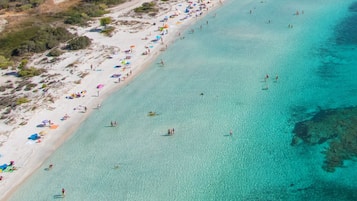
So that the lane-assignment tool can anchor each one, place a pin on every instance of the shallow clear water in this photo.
(226, 61)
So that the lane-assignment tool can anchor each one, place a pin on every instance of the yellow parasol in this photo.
(44, 132)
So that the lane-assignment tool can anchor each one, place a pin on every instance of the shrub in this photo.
(4, 62)
(78, 43)
(25, 7)
(43, 39)
(75, 18)
(105, 21)
(30, 72)
(109, 2)
(30, 86)
(108, 31)
(22, 100)
(146, 8)
(79, 15)
(55, 53)
(23, 64)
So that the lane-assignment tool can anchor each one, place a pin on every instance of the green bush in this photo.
(105, 21)
(25, 7)
(147, 8)
(76, 19)
(20, 5)
(41, 40)
(55, 53)
(30, 86)
(108, 31)
(107, 2)
(4, 62)
(30, 72)
(78, 43)
(22, 100)
(79, 15)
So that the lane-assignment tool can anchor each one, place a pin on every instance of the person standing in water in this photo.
(63, 192)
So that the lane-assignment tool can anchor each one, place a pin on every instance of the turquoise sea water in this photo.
(212, 83)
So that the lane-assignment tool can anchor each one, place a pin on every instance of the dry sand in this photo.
(131, 32)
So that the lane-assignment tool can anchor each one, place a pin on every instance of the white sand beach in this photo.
(132, 47)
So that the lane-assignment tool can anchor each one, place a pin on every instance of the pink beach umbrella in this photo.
(99, 86)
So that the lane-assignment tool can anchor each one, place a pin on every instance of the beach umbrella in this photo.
(99, 86)
(45, 121)
(44, 132)
(158, 37)
(53, 126)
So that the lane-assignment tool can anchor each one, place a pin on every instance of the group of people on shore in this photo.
(171, 131)
(113, 123)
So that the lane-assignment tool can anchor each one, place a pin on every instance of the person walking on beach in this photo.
(63, 193)
(162, 63)
(231, 133)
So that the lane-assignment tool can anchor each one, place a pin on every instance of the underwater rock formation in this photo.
(337, 127)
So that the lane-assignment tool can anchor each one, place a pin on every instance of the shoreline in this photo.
(29, 157)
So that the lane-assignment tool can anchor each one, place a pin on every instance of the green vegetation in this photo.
(105, 21)
(30, 86)
(148, 8)
(55, 53)
(80, 15)
(108, 31)
(30, 72)
(33, 40)
(4, 62)
(18, 5)
(45, 38)
(22, 100)
(78, 43)
(34, 34)
(107, 2)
